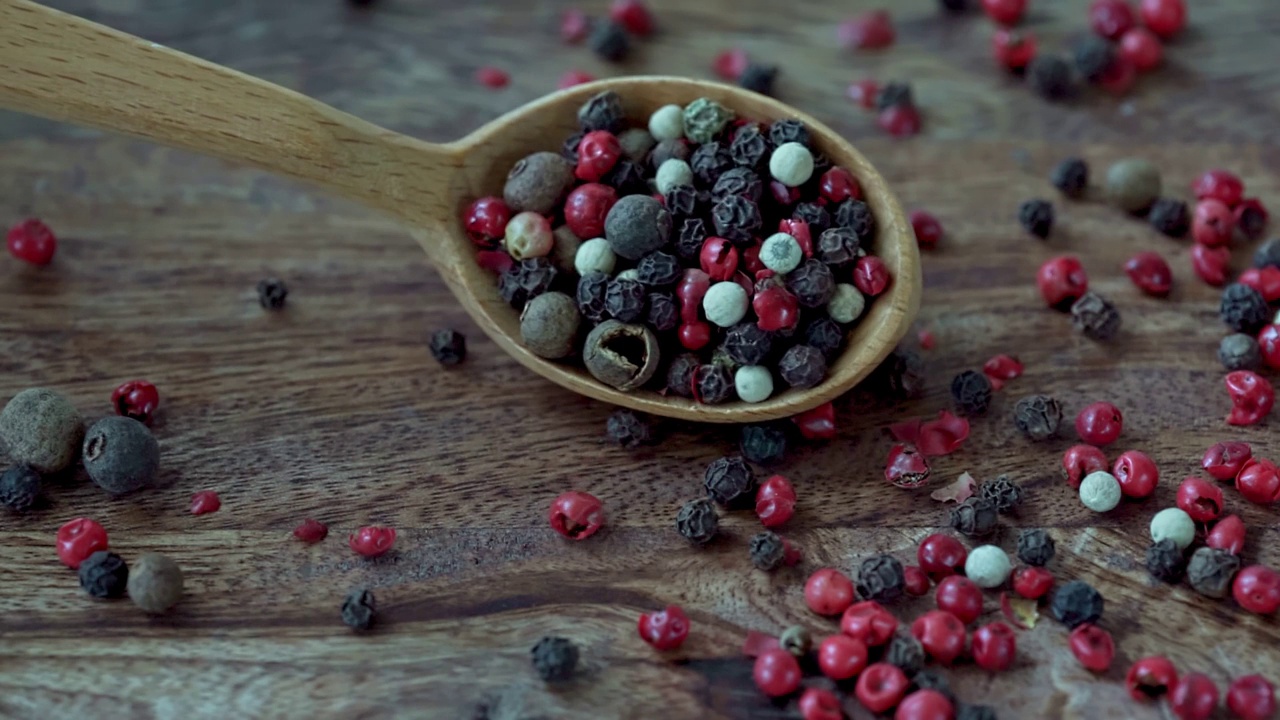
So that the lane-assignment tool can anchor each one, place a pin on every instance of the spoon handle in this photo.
(65, 68)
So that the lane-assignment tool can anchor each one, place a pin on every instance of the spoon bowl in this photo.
(65, 68)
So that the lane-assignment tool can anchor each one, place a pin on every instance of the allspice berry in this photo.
(121, 455)
(549, 325)
(537, 183)
(636, 226)
(621, 356)
(42, 429)
(155, 583)
(1133, 185)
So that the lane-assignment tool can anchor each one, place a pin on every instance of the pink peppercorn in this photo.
(1099, 424)
(137, 399)
(492, 77)
(1111, 18)
(784, 194)
(818, 423)
(1221, 185)
(1269, 345)
(1212, 223)
(899, 120)
(372, 541)
(1142, 48)
(1165, 17)
(32, 241)
(1227, 534)
(1150, 273)
(78, 539)
(574, 77)
(205, 502)
(915, 581)
(1210, 264)
(1259, 482)
(1200, 499)
(1252, 698)
(1005, 12)
(1119, 76)
(730, 64)
(870, 31)
(694, 335)
(927, 229)
(926, 339)
(486, 220)
(1252, 397)
(1195, 697)
(799, 230)
(1224, 460)
(633, 15)
(1265, 280)
(719, 258)
(776, 309)
(576, 515)
(1080, 460)
(838, 184)
(1012, 49)
(311, 531)
(574, 26)
(870, 275)
(1137, 474)
(495, 261)
(598, 152)
(864, 92)
(587, 207)
(1002, 367)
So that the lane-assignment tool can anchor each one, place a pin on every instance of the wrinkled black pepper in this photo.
(1036, 547)
(971, 392)
(603, 111)
(1038, 416)
(590, 295)
(767, 551)
(839, 247)
(1166, 562)
(19, 488)
(975, 517)
(1050, 77)
(609, 41)
(709, 162)
(816, 216)
(272, 293)
(681, 373)
(975, 712)
(894, 94)
(880, 578)
(554, 658)
(857, 215)
(1251, 220)
(901, 375)
(729, 480)
(1170, 216)
(1095, 317)
(697, 521)
(659, 269)
(1076, 603)
(737, 219)
(569, 148)
(627, 177)
(693, 233)
(747, 344)
(628, 429)
(749, 146)
(1036, 217)
(933, 680)
(802, 366)
(664, 313)
(826, 335)
(1093, 55)
(738, 181)
(1210, 571)
(1071, 177)
(1267, 254)
(785, 131)
(1243, 309)
(905, 653)
(1238, 351)
(624, 299)
(714, 383)
(759, 78)
(448, 346)
(104, 575)
(359, 609)
(812, 283)
(1006, 494)
(797, 640)
(525, 280)
(763, 444)
(681, 201)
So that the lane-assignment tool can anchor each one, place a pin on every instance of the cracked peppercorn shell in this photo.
(1243, 309)
(19, 488)
(1006, 494)
(609, 42)
(767, 551)
(627, 429)
(1071, 177)
(1095, 317)
(747, 344)
(1036, 217)
(1036, 547)
(121, 455)
(1239, 352)
(1038, 416)
(620, 355)
(537, 183)
(812, 283)
(736, 219)
(759, 78)
(1166, 562)
(857, 215)
(104, 575)
(729, 481)
(704, 118)
(975, 517)
(637, 225)
(1170, 217)
(41, 428)
(1210, 571)
(715, 384)
(155, 583)
(971, 392)
(1093, 56)
(1076, 603)
(554, 658)
(1050, 77)
(763, 444)
(272, 293)
(803, 366)
(549, 325)
(738, 181)
(880, 578)
(448, 347)
(749, 147)
(697, 521)
(965, 711)
(905, 653)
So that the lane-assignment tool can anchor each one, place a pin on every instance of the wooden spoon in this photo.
(61, 67)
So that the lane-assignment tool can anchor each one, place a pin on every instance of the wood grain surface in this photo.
(334, 408)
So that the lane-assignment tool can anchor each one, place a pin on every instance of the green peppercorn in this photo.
(1133, 185)
(704, 118)
(636, 226)
(1038, 416)
(549, 325)
(537, 183)
(697, 521)
(797, 640)
(121, 455)
(1211, 571)
(881, 578)
(104, 575)
(41, 428)
(729, 481)
(621, 356)
(628, 429)
(1002, 491)
(359, 609)
(554, 658)
(906, 653)
(19, 488)
(767, 551)
(975, 517)
(155, 583)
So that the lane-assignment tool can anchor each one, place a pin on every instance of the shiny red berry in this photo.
(994, 647)
(915, 582)
(1099, 424)
(1251, 218)
(598, 152)
(492, 77)
(1221, 185)
(1165, 17)
(784, 195)
(1259, 482)
(959, 596)
(586, 208)
(1252, 397)
(1195, 697)
(880, 687)
(486, 220)
(205, 502)
(32, 241)
(927, 229)
(868, 622)
(692, 288)
(1150, 677)
(1211, 264)
(1265, 280)
(633, 15)
(818, 423)
(941, 555)
(838, 184)
(311, 531)
(775, 501)
(1111, 18)
(1269, 345)
(906, 467)
(664, 630)
(495, 261)
(1142, 49)
(695, 335)
(925, 705)
(1003, 367)
(1200, 499)
(776, 673)
(372, 541)
(1005, 12)
(78, 539)
(799, 230)
(828, 592)
(870, 275)
(1252, 698)
(776, 308)
(1257, 589)
(819, 704)
(1093, 647)
(574, 26)
(776, 487)
(941, 634)
(1032, 582)
(137, 399)
(1137, 473)
(730, 64)
(1080, 460)
(1212, 223)
(1062, 281)
(1150, 273)
(576, 515)
(902, 120)
(1012, 49)
(870, 31)
(864, 93)
(574, 77)
(840, 657)
(719, 258)
(1227, 534)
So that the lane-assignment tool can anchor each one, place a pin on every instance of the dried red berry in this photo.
(840, 657)
(864, 93)
(1111, 18)
(78, 539)
(1200, 499)
(633, 15)
(1251, 218)
(1221, 185)
(1251, 397)
(1150, 273)
(941, 555)
(574, 77)
(926, 339)
(1142, 49)
(598, 152)
(136, 399)
(784, 195)
(906, 467)
(205, 502)
(1210, 264)
(776, 308)
(1195, 697)
(576, 515)
(1080, 460)
(1269, 345)
(818, 423)
(1212, 223)
(1012, 49)
(1265, 280)
(1165, 17)
(870, 275)
(959, 596)
(695, 335)
(1032, 582)
(880, 687)
(942, 436)
(1227, 534)
(730, 64)
(1257, 589)
(492, 77)
(901, 120)
(915, 581)
(776, 512)
(798, 229)
(665, 630)
(838, 184)
(1003, 367)
(1062, 281)
(486, 220)
(1252, 698)
(574, 26)
(869, 622)
(311, 531)
(828, 592)
(32, 241)
(776, 673)
(1093, 647)
(927, 229)
(994, 647)
(586, 208)
(719, 258)
(941, 634)
(1137, 473)
(819, 704)
(925, 705)
(1005, 12)
(1099, 424)
(1150, 677)
(1259, 482)
(495, 261)
(870, 31)
(372, 541)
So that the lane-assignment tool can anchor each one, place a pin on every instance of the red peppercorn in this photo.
(925, 705)
(915, 582)
(586, 208)
(880, 687)
(1227, 534)
(1259, 482)
(1164, 17)
(1062, 281)
(1142, 49)
(959, 596)
(941, 634)
(1212, 223)
(1252, 698)
(1003, 367)
(1032, 582)
(136, 399)
(775, 513)
(719, 258)
(1005, 12)
(927, 229)
(1269, 345)
(828, 592)
(906, 467)
(1111, 18)
(1210, 264)
(1257, 589)
(868, 622)
(574, 77)
(776, 308)
(1265, 280)
(838, 184)
(994, 647)
(1195, 697)
(492, 77)
(574, 26)
(632, 15)
(78, 539)
(840, 657)
(495, 261)
(1200, 499)
(205, 502)
(1080, 460)
(311, 531)
(598, 152)
(665, 630)
(1137, 473)
(1093, 647)
(818, 423)
(1251, 397)
(941, 555)
(799, 230)
(1221, 185)
(32, 241)
(870, 275)
(486, 220)
(870, 31)
(1150, 273)
(784, 195)
(926, 339)
(576, 515)
(902, 120)
(776, 673)
(1251, 218)
(819, 704)
(1012, 49)
(372, 541)
(1099, 424)
(1119, 76)
(864, 93)
(695, 335)
(1150, 677)
(777, 487)
(730, 64)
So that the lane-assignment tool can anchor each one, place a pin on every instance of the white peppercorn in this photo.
(725, 303)
(988, 566)
(636, 144)
(595, 255)
(781, 253)
(671, 173)
(549, 325)
(630, 275)
(1173, 524)
(621, 356)
(791, 164)
(847, 304)
(667, 123)
(1100, 491)
(528, 235)
(753, 383)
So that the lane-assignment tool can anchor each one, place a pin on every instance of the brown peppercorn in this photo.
(1006, 494)
(881, 578)
(621, 356)
(697, 521)
(636, 226)
(1133, 185)
(564, 249)
(549, 325)
(1166, 562)
(729, 481)
(767, 551)
(121, 455)
(41, 428)
(1038, 416)
(975, 517)
(796, 640)
(1095, 316)
(155, 583)
(1211, 571)
(538, 183)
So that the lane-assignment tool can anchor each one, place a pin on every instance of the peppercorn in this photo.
(975, 517)
(803, 366)
(627, 178)
(704, 118)
(954, 6)
(767, 551)
(538, 183)
(880, 578)
(933, 680)
(729, 481)
(121, 455)
(680, 374)
(358, 609)
(624, 299)
(894, 94)
(906, 653)
(1093, 55)
(789, 130)
(272, 293)
(1050, 77)
(692, 235)
(1267, 254)
(736, 219)
(749, 146)
(697, 521)
(709, 162)
(1076, 603)
(1243, 309)
(826, 335)
(1095, 316)
(1165, 561)
(104, 575)
(1170, 216)
(1038, 416)
(971, 392)
(590, 295)
(812, 283)
(628, 429)
(1036, 547)
(964, 711)
(1006, 494)
(1239, 352)
(901, 375)
(1036, 216)
(759, 78)
(155, 583)
(621, 355)
(41, 428)
(846, 304)
(526, 279)
(1211, 571)
(637, 225)
(609, 41)
(554, 658)
(715, 384)
(672, 174)
(569, 147)
(857, 215)
(839, 246)
(763, 444)
(19, 488)
(813, 215)
(1133, 185)
(664, 313)
(1071, 177)
(738, 181)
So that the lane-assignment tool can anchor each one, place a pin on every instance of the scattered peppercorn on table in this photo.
(467, 604)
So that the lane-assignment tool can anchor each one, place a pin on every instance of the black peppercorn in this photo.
(759, 78)
(954, 6)
(857, 215)
(1243, 309)
(664, 313)
(1006, 494)
(697, 521)
(1050, 77)
(839, 247)
(1036, 547)
(1251, 219)
(767, 551)
(1267, 254)
(826, 335)
(609, 41)
(975, 517)
(104, 575)
(525, 280)
(358, 610)
(19, 488)
(971, 392)
(933, 680)
(658, 269)
(1038, 416)
(894, 94)
(1071, 177)
(803, 366)
(1036, 217)
(590, 295)
(1170, 216)
(729, 480)
(763, 444)
(785, 131)
(448, 347)
(709, 161)
(738, 181)
(554, 658)
(680, 374)
(747, 344)
(737, 219)
(628, 429)
(272, 293)
(693, 233)
(1166, 561)
(1093, 56)
(905, 653)
(714, 384)
(603, 111)
(627, 177)
(1095, 316)
(901, 375)
(624, 299)
(569, 148)
(1239, 352)
(1211, 571)
(749, 146)
(814, 215)
(880, 578)
(1076, 603)
(812, 283)
(975, 712)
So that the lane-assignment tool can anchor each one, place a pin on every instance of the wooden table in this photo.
(334, 408)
